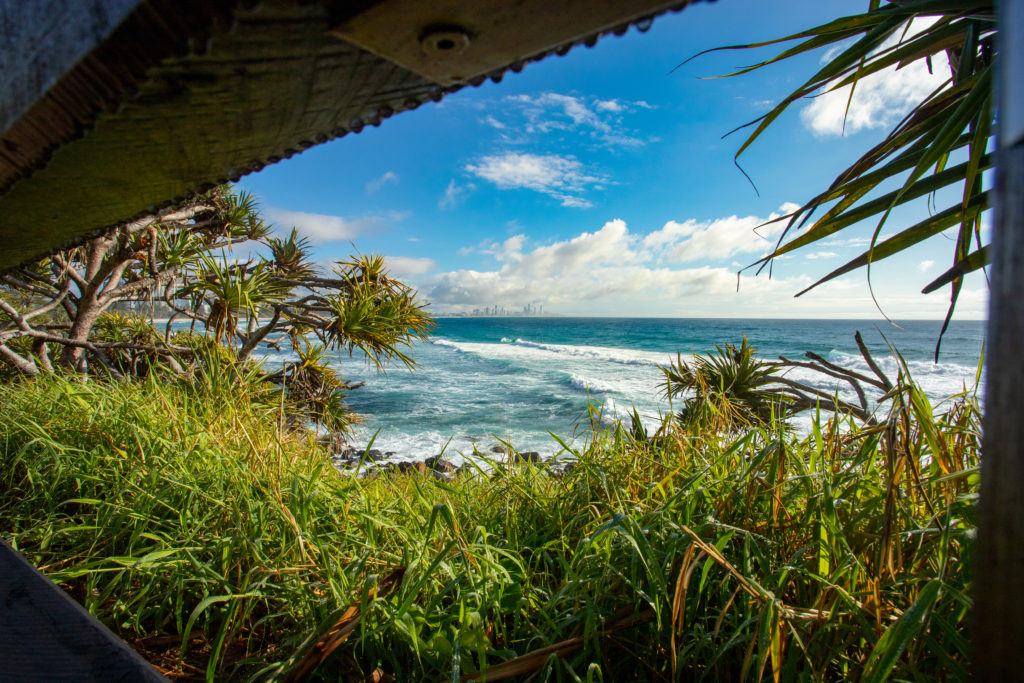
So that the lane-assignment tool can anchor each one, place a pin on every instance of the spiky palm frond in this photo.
(242, 219)
(291, 254)
(316, 390)
(232, 290)
(374, 313)
(729, 387)
(955, 121)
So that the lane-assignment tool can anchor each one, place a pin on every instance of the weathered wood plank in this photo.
(47, 636)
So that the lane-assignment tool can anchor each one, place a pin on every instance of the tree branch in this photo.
(143, 284)
(70, 272)
(21, 364)
(838, 373)
(253, 340)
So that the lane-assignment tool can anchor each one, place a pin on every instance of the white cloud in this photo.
(820, 255)
(389, 178)
(318, 227)
(598, 121)
(453, 194)
(407, 266)
(561, 177)
(590, 266)
(692, 240)
(321, 228)
(491, 121)
(612, 271)
(608, 105)
(880, 99)
(925, 266)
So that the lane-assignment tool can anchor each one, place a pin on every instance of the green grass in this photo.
(223, 547)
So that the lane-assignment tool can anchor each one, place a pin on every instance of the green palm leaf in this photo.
(955, 119)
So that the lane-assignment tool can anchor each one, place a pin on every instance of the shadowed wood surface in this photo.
(47, 636)
(44, 41)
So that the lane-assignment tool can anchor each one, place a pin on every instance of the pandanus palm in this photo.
(232, 291)
(728, 388)
(374, 313)
(291, 254)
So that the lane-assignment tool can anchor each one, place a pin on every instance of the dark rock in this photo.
(529, 456)
(438, 463)
(412, 466)
(498, 449)
(374, 454)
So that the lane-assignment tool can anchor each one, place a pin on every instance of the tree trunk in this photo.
(89, 311)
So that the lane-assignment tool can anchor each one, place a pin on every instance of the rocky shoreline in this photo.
(374, 462)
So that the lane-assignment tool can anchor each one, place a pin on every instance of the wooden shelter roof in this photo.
(113, 108)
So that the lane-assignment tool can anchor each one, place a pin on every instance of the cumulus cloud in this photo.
(607, 263)
(820, 255)
(561, 177)
(389, 178)
(880, 99)
(609, 105)
(321, 228)
(693, 240)
(925, 266)
(408, 266)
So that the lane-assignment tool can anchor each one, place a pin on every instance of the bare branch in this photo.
(21, 364)
(871, 361)
(143, 284)
(18, 318)
(863, 378)
(27, 287)
(134, 346)
(67, 269)
(838, 373)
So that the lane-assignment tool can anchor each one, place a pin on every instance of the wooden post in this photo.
(998, 633)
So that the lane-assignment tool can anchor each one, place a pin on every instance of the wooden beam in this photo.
(47, 636)
(998, 634)
(181, 95)
(451, 41)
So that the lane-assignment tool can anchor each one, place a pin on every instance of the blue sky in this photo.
(598, 183)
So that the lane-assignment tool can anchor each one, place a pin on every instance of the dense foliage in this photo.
(222, 546)
(215, 264)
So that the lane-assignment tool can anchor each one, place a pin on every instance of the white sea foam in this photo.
(592, 385)
(525, 349)
(603, 353)
(468, 395)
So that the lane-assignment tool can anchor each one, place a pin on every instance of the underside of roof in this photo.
(113, 108)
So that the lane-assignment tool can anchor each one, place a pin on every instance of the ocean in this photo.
(482, 381)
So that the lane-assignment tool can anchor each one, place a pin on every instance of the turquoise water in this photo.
(481, 380)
